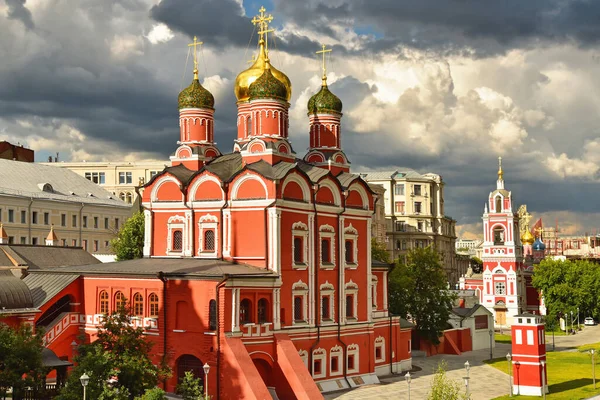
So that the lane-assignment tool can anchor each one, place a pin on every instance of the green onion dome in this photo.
(196, 96)
(267, 86)
(324, 102)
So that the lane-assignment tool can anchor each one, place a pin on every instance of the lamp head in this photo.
(85, 379)
(467, 366)
(543, 363)
(206, 368)
(508, 357)
(592, 351)
(407, 377)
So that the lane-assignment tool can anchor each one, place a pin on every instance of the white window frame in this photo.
(496, 291)
(300, 229)
(350, 233)
(374, 283)
(327, 289)
(353, 349)
(319, 354)
(380, 343)
(518, 336)
(336, 351)
(327, 232)
(176, 222)
(205, 223)
(300, 289)
(304, 356)
(352, 289)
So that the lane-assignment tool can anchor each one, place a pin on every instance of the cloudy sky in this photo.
(441, 86)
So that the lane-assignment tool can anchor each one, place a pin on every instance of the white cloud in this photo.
(587, 166)
(160, 33)
(123, 46)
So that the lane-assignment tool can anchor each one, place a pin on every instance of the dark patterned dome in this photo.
(196, 96)
(324, 102)
(268, 87)
(538, 245)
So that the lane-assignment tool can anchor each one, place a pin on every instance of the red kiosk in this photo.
(529, 355)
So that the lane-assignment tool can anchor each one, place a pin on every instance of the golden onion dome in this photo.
(527, 237)
(247, 77)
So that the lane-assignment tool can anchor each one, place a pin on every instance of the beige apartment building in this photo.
(35, 197)
(119, 178)
(378, 222)
(414, 212)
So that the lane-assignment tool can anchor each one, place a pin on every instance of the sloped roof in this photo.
(37, 257)
(14, 293)
(44, 287)
(467, 312)
(150, 267)
(396, 174)
(40, 181)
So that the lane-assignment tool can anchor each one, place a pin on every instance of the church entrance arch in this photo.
(265, 370)
(188, 362)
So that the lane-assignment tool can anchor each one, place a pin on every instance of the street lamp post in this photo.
(407, 377)
(85, 379)
(509, 358)
(467, 368)
(206, 368)
(592, 351)
(577, 318)
(543, 378)
(491, 344)
(572, 322)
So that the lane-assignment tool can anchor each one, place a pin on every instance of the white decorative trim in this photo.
(353, 350)
(336, 351)
(327, 232)
(304, 356)
(240, 181)
(300, 229)
(200, 181)
(352, 289)
(300, 289)
(362, 192)
(337, 198)
(205, 223)
(147, 233)
(319, 354)
(177, 222)
(350, 233)
(327, 290)
(303, 185)
(380, 342)
(161, 181)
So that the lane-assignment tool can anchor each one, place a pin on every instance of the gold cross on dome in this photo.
(195, 44)
(324, 51)
(252, 60)
(262, 21)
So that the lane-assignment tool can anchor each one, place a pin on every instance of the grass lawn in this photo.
(502, 338)
(569, 374)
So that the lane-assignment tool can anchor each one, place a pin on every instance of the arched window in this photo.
(263, 311)
(128, 198)
(498, 235)
(212, 315)
(153, 304)
(245, 311)
(104, 302)
(119, 300)
(349, 305)
(209, 240)
(138, 305)
(298, 309)
(498, 204)
(325, 251)
(122, 196)
(177, 240)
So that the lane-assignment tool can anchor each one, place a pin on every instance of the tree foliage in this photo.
(567, 285)
(129, 243)
(418, 290)
(190, 387)
(379, 251)
(121, 351)
(21, 359)
(444, 388)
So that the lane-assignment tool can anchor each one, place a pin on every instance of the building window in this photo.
(417, 189)
(106, 244)
(128, 198)
(298, 309)
(23, 217)
(334, 364)
(400, 207)
(125, 178)
(500, 288)
(74, 221)
(122, 196)
(34, 217)
(481, 322)
(327, 302)
(119, 300)
(105, 223)
(104, 302)
(400, 226)
(85, 221)
(23, 240)
(84, 244)
(152, 173)
(96, 245)
(212, 315)
(46, 218)
(351, 361)
(404, 245)
(326, 251)
(96, 177)
(379, 349)
(34, 241)
(177, 240)
(11, 239)
(498, 204)
(74, 242)
(117, 223)
(420, 226)
(63, 219)
(498, 235)
(300, 245)
(399, 190)
(325, 308)
(335, 357)
(349, 248)
(11, 215)
(349, 306)
(418, 207)
(209, 240)
(138, 305)
(64, 242)
(298, 251)
(95, 222)
(263, 311)
(351, 303)
(352, 358)
(318, 368)
(245, 311)
(153, 305)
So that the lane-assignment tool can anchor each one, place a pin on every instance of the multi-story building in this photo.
(16, 152)
(414, 210)
(35, 197)
(470, 247)
(378, 223)
(119, 178)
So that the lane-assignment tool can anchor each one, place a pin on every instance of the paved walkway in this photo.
(486, 382)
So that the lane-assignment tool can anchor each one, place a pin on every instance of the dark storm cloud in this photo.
(18, 11)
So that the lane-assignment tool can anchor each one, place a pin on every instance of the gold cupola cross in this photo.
(263, 20)
(323, 52)
(195, 44)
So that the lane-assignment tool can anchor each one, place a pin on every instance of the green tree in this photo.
(153, 394)
(190, 388)
(21, 359)
(418, 289)
(444, 388)
(129, 243)
(379, 251)
(122, 351)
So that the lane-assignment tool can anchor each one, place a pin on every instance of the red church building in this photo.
(504, 287)
(257, 262)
